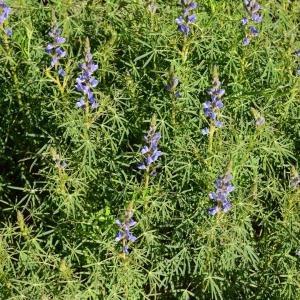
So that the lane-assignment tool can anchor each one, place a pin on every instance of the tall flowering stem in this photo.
(150, 151)
(5, 11)
(224, 188)
(150, 155)
(85, 82)
(252, 8)
(175, 93)
(54, 49)
(184, 21)
(124, 235)
(211, 110)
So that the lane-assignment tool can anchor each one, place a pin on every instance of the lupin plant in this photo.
(67, 173)
(124, 235)
(224, 188)
(5, 10)
(211, 108)
(54, 49)
(252, 8)
(188, 18)
(150, 151)
(85, 82)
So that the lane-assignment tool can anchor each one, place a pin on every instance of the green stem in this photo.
(145, 188)
(13, 69)
(212, 130)
(185, 49)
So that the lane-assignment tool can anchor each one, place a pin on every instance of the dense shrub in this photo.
(132, 149)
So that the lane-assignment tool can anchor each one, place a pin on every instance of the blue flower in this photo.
(8, 32)
(297, 52)
(61, 72)
(205, 131)
(254, 30)
(178, 94)
(244, 21)
(246, 41)
(224, 188)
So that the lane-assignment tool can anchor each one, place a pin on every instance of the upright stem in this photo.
(13, 69)
(212, 130)
(185, 49)
(145, 188)
(174, 109)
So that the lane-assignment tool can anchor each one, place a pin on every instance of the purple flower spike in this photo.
(184, 21)
(253, 9)
(224, 188)
(210, 108)
(54, 49)
(150, 151)
(5, 13)
(85, 81)
(124, 233)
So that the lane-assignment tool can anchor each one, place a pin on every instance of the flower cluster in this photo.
(210, 107)
(150, 150)
(85, 82)
(224, 188)
(298, 69)
(252, 8)
(54, 49)
(171, 87)
(124, 233)
(4, 16)
(184, 21)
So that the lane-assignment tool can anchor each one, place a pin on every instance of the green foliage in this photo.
(57, 232)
